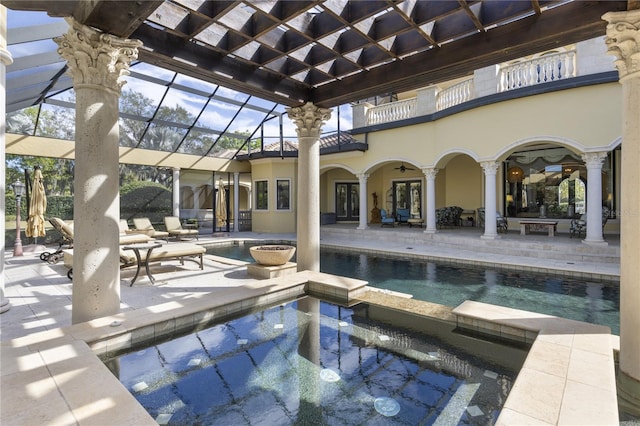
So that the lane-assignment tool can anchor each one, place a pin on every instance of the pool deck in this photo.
(568, 377)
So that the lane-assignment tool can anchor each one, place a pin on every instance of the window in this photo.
(284, 194)
(551, 182)
(262, 195)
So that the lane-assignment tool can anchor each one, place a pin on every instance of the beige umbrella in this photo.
(221, 206)
(37, 207)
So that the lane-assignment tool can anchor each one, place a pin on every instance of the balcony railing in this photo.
(454, 95)
(542, 69)
(393, 111)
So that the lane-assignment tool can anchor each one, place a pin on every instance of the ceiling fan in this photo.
(403, 168)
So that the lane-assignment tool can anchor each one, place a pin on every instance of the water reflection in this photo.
(451, 285)
(269, 367)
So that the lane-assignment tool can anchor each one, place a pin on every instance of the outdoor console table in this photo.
(527, 226)
(136, 249)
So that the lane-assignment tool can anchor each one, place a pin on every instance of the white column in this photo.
(430, 175)
(5, 60)
(593, 161)
(362, 178)
(176, 192)
(623, 40)
(97, 62)
(236, 201)
(490, 225)
(308, 120)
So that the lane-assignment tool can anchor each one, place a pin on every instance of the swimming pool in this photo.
(578, 299)
(312, 362)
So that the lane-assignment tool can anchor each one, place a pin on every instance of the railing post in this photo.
(486, 81)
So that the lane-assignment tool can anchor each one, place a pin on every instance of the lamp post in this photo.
(18, 190)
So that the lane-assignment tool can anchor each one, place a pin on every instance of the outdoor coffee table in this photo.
(136, 250)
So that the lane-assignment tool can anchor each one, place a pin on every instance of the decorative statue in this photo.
(375, 200)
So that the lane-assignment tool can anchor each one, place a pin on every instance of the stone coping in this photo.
(569, 374)
(56, 377)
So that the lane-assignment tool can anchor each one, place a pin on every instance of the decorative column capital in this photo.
(95, 58)
(623, 40)
(593, 160)
(308, 119)
(489, 167)
(362, 176)
(430, 174)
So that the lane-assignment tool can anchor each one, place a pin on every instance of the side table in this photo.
(136, 250)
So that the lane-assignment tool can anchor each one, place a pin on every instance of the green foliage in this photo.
(137, 184)
(152, 201)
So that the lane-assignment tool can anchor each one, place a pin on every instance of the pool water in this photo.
(578, 299)
(312, 362)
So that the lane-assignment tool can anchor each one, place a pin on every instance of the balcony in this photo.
(585, 58)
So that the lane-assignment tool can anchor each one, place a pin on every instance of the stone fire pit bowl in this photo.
(272, 255)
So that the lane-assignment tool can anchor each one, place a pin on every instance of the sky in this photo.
(217, 115)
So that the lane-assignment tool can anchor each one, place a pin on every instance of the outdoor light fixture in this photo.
(18, 190)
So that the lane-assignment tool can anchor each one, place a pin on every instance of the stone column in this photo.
(176, 192)
(362, 178)
(430, 175)
(308, 119)
(5, 60)
(594, 160)
(97, 62)
(236, 201)
(623, 37)
(490, 225)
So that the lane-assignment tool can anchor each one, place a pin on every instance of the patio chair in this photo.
(502, 225)
(386, 220)
(578, 226)
(144, 225)
(175, 229)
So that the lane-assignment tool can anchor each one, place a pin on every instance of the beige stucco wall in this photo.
(273, 220)
(582, 118)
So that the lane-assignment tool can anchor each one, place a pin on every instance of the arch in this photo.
(327, 167)
(446, 156)
(379, 163)
(570, 144)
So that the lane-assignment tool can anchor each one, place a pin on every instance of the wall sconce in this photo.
(509, 199)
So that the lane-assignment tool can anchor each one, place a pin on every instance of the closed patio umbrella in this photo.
(37, 208)
(221, 206)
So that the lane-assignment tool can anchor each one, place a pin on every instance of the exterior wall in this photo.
(273, 220)
(465, 182)
(581, 119)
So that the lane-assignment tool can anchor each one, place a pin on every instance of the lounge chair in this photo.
(386, 220)
(66, 237)
(143, 225)
(131, 236)
(179, 251)
(175, 229)
(173, 251)
(66, 231)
